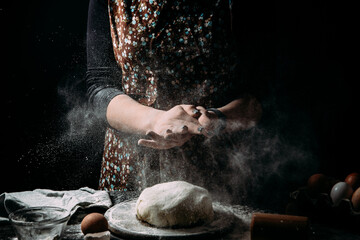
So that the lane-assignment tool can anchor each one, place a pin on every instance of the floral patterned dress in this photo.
(170, 52)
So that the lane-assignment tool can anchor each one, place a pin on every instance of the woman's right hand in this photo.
(173, 128)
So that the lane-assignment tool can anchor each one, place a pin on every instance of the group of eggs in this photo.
(338, 190)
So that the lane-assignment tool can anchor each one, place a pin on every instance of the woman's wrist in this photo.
(152, 117)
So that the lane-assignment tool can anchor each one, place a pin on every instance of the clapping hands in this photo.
(175, 127)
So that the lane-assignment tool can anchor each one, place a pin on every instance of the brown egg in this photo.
(353, 179)
(94, 223)
(318, 183)
(355, 200)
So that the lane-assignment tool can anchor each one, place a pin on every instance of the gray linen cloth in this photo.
(71, 200)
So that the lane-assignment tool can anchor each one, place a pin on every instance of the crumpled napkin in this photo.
(71, 200)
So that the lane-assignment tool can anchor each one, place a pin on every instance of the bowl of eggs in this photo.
(327, 198)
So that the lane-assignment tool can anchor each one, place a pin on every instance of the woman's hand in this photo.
(242, 113)
(176, 126)
(173, 128)
(210, 121)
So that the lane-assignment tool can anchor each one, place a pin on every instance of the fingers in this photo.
(166, 141)
(156, 141)
(195, 112)
(154, 136)
(197, 129)
(190, 119)
(153, 144)
(184, 129)
(175, 127)
(191, 110)
(177, 134)
(208, 120)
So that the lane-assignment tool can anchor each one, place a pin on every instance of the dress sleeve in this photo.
(103, 76)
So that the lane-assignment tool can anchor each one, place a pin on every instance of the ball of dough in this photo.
(177, 203)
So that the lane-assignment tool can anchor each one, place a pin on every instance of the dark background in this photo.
(310, 48)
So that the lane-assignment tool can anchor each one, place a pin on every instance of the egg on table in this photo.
(340, 191)
(95, 226)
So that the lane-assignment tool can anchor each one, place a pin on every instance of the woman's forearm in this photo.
(127, 115)
(163, 129)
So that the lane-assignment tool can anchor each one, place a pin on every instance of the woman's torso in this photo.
(172, 52)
